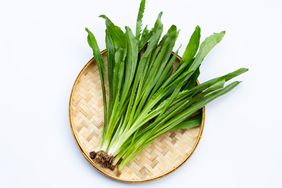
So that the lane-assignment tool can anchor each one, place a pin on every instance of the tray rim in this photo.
(103, 52)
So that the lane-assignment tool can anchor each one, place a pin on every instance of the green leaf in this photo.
(208, 44)
(146, 34)
(131, 62)
(189, 124)
(116, 33)
(193, 45)
(139, 18)
(190, 51)
(111, 62)
(98, 57)
(192, 82)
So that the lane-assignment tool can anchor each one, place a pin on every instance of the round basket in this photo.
(162, 157)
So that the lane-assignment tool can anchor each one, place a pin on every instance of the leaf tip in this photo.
(103, 16)
(160, 14)
(198, 28)
(246, 69)
(243, 69)
(236, 83)
(222, 33)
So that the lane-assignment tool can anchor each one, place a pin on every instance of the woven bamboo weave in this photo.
(163, 156)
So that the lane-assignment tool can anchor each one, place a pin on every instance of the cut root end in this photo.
(102, 158)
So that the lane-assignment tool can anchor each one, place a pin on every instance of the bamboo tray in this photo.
(162, 157)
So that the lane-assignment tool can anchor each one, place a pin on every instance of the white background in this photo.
(43, 47)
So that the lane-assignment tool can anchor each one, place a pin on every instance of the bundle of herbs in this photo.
(148, 94)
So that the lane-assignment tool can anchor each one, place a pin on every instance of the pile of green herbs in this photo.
(149, 94)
